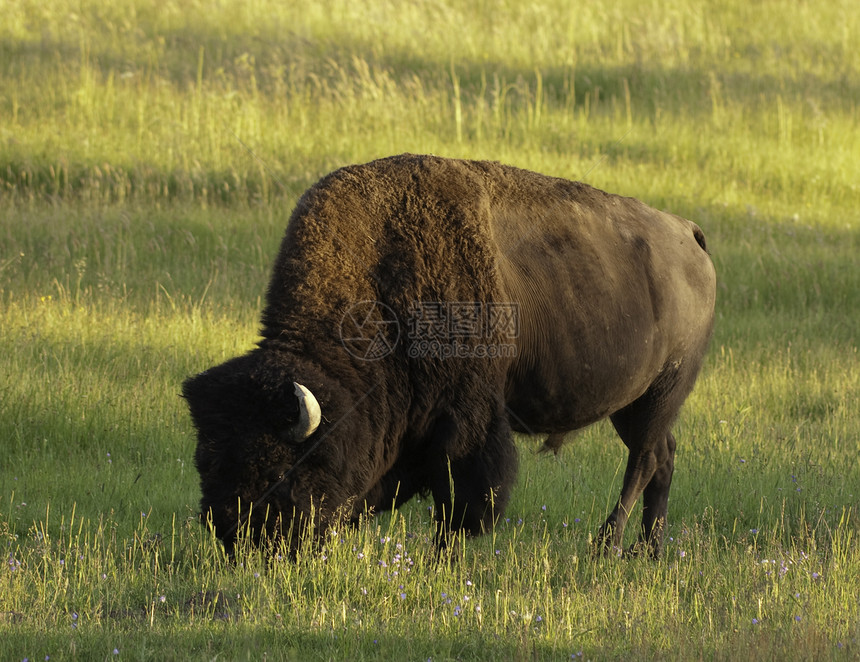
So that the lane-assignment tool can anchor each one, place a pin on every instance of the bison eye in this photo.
(277, 477)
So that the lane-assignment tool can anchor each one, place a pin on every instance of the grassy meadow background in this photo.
(150, 154)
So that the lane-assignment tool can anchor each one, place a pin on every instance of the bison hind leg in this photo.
(644, 427)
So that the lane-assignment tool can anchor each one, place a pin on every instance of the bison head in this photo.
(264, 462)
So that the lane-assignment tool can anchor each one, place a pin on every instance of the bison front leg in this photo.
(471, 492)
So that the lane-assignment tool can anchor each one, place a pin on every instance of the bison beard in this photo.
(613, 308)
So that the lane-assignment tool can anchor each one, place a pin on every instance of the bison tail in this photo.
(699, 236)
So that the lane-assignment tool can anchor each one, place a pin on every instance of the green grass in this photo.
(150, 154)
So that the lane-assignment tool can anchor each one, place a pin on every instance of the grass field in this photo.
(150, 154)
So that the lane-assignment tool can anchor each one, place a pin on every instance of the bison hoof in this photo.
(643, 549)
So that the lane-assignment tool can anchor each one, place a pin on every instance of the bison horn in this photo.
(309, 412)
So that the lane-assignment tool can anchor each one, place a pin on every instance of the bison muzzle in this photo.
(490, 299)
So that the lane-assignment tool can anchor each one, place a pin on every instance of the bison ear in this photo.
(309, 414)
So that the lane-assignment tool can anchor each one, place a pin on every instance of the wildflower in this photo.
(797, 618)
(116, 651)
(543, 507)
(815, 575)
(403, 596)
(576, 520)
(457, 611)
(755, 621)
(162, 598)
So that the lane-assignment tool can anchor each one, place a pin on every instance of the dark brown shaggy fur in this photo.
(614, 302)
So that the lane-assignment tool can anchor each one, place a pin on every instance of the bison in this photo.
(421, 309)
